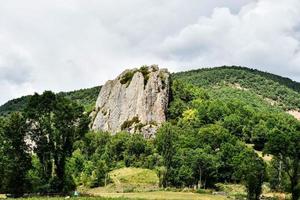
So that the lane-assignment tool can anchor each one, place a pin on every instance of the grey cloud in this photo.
(15, 72)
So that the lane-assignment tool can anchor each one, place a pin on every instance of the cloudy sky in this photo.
(62, 45)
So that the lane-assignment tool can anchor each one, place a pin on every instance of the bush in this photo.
(129, 123)
(126, 78)
(144, 70)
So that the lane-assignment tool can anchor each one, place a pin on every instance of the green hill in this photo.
(255, 87)
(86, 97)
(275, 89)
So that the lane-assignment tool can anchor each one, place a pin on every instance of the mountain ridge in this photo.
(282, 90)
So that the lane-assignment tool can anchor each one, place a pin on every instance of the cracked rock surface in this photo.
(136, 101)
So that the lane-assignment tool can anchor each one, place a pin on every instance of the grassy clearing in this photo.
(134, 175)
(137, 183)
(126, 180)
(232, 190)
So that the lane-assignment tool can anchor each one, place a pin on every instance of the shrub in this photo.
(126, 78)
(144, 70)
(129, 123)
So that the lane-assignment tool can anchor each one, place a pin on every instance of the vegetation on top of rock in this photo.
(145, 71)
(127, 77)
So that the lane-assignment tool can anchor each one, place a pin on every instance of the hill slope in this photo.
(86, 97)
(226, 83)
(281, 91)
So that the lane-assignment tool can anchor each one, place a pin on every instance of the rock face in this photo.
(136, 101)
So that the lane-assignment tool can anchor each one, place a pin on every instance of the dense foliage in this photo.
(218, 119)
(15, 159)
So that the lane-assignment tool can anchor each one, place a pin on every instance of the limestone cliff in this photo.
(136, 101)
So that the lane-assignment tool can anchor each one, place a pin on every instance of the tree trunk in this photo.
(60, 172)
(200, 178)
(294, 189)
(294, 181)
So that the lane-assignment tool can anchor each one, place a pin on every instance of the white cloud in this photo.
(262, 35)
(71, 44)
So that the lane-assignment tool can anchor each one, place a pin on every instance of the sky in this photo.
(62, 45)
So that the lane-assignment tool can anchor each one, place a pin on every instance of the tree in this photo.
(259, 136)
(165, 142)
(277, 177)
(3, 157)
(17, 152)
(284, 143)
(39, 113)
(56, 123)
(225, 154)
(250, 168)
(117, 146)
(205, 165)
(214, 135)
(135, 150)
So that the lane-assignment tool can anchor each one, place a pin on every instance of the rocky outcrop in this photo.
(136, 101)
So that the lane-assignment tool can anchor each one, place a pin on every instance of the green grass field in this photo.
(137, 183)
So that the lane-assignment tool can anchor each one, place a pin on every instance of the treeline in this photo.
(85, 97)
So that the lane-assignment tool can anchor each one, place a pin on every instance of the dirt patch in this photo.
(237, 86)
(271, 101)
(294, 113)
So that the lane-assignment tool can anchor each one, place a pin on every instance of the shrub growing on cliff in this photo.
(129, 123)
(144, 70)
(127, 77)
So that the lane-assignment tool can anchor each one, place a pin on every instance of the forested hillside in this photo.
(219, 123)
(281, 91)
(85, 97)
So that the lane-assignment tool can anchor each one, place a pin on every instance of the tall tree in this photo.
(17, 152)
(3, 156)
(56, 123)
(165, 141)
(284, 143)
(250, 168)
